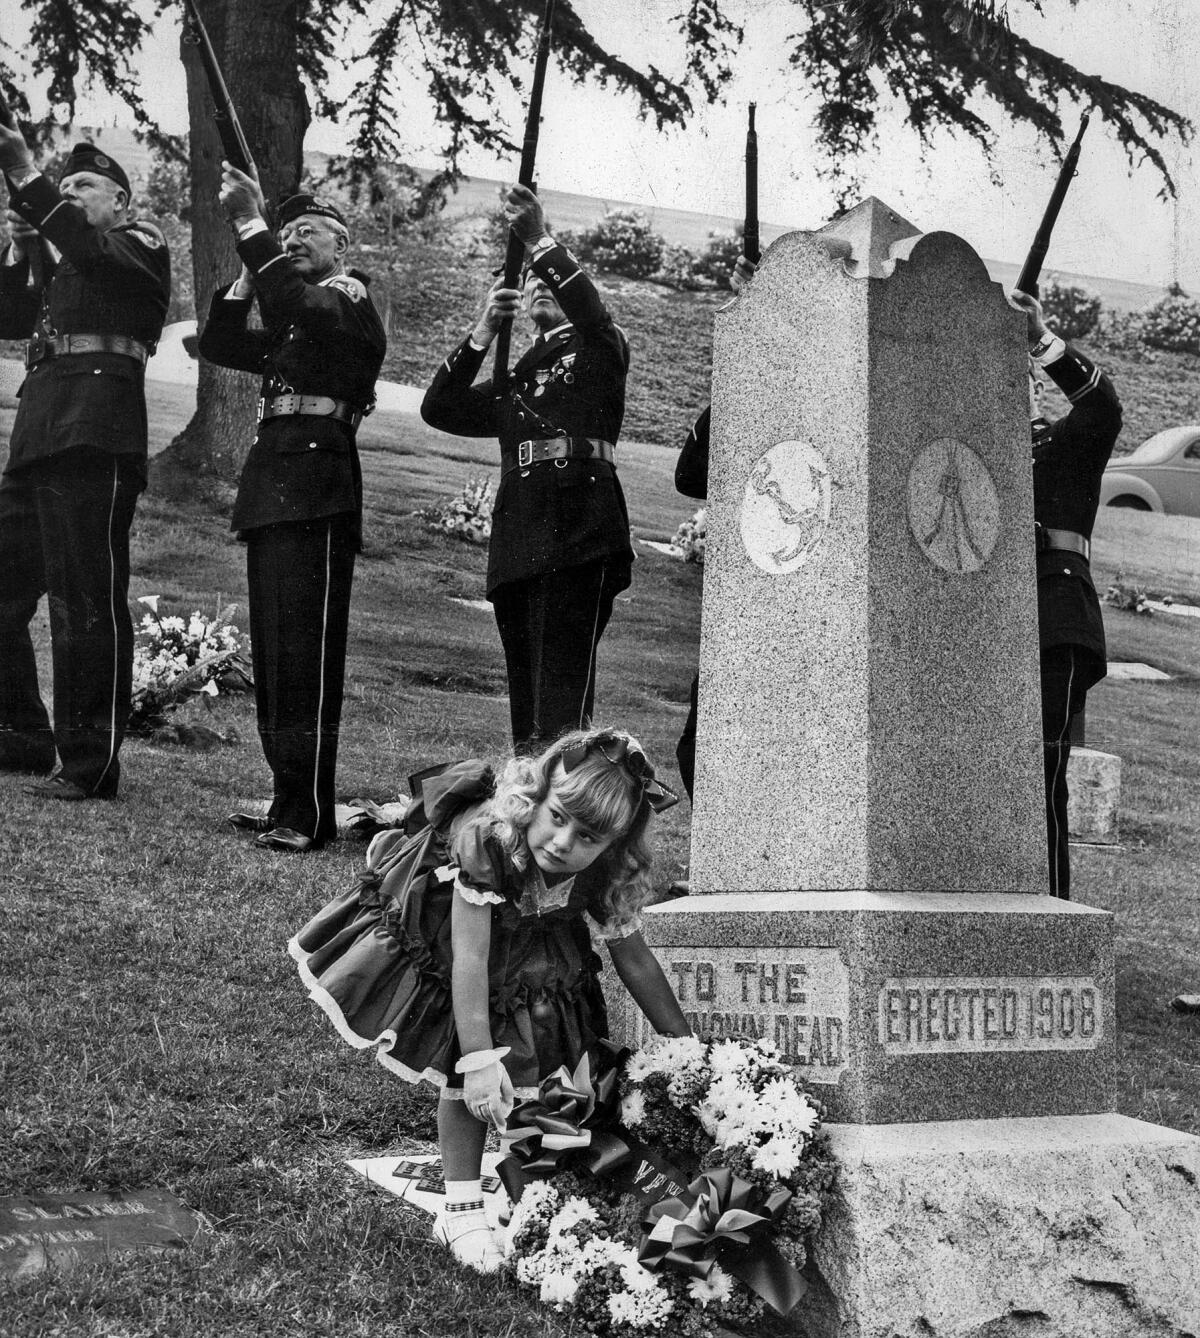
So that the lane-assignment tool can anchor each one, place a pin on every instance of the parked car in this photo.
(1163, 474)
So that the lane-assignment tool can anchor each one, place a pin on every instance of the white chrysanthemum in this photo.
(558, 1289)
(728, 1057)
(573, 1210)
(531, 1268)
(639, 1066)
(636, 1278)
(172, 624)
(633, 1109)
(598, 1253)
(724, 1092)
(678, 1052)
(734, 1134)
(716, 1288)
(778, 1156)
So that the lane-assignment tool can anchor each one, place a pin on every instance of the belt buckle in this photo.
(262, 408)
(524, 454)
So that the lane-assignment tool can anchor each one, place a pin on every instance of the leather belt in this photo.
(41, 347)
(557, 448)
(317, 406)
(1066, 541)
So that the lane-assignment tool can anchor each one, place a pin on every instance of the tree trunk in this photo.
(255, 43)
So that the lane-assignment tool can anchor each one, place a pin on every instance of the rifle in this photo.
(751, 244)
(37, 257)
(233, 140)
(515, 253)
(1027, 280)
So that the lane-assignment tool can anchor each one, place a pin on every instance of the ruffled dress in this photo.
(377, 960)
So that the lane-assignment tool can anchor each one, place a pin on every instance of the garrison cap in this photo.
(296, 205)
(88, 158)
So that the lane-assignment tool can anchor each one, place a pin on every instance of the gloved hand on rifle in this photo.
(523, 210)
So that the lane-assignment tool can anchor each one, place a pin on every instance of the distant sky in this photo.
(593, 142)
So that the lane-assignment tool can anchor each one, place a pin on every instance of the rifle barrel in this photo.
(515, 252)
(751, 243)
(233, 139)
(1027, 280)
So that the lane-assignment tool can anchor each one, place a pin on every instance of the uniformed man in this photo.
(77, 459)
(1069, 456)
(299, 502)
(560, 549)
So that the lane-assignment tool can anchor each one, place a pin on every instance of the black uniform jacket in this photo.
(319, 339)
(114, 282)
(1069, 456)
(554, 514)
(691, 469)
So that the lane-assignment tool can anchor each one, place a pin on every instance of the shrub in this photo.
(679, 268)
(1070, 310)
(720, 256)
(623, 242)
(1173, 324)
(1123, 332)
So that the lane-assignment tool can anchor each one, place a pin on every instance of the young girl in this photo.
(464, 955)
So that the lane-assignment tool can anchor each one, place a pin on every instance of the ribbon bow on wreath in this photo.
(568, 1121)
(723, 1219)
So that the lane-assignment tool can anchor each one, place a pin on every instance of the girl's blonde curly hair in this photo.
(601, 794)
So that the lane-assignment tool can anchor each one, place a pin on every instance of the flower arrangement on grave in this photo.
(691, 537)
(675, 1188)
(467, 516)
(1129, 597)
(174, 659)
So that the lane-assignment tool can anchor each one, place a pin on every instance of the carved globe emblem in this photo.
(785, 507)
(953, 509)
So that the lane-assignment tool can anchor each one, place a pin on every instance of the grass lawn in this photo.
(155, 1031)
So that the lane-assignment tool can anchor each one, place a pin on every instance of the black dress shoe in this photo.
(58, 787)
(283, 838)
(250, 822)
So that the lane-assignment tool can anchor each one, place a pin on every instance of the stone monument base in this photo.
(1059, 1227)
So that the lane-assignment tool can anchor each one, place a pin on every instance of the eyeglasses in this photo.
(305, 232)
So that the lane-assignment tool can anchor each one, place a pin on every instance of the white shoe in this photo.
(474, 1245)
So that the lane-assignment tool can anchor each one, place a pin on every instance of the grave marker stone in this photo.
(868, 847)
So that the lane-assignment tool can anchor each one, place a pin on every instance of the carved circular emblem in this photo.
(785, 507)
(101, 161)
(953, 509)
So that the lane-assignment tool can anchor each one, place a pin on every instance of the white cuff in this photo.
(1048, 350)
(481, 1059)
(251, 229)
(542, 245)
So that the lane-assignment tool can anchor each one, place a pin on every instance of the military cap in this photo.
(88, 158)
(296, 205)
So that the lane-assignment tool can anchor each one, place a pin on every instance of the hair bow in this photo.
(623, 751)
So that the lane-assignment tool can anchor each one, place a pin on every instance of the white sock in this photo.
(464, 1191)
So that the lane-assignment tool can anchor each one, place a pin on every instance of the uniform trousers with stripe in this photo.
(550, 626)
(300, 574)
(1064, 693)
(64, 531)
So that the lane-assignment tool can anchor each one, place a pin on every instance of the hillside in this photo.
(437, 287)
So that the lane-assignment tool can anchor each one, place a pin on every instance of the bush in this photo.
(1070, 311)
(1173, 324)
(680, 268)
(1123, 332)
(623, 242)
(720, 256)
